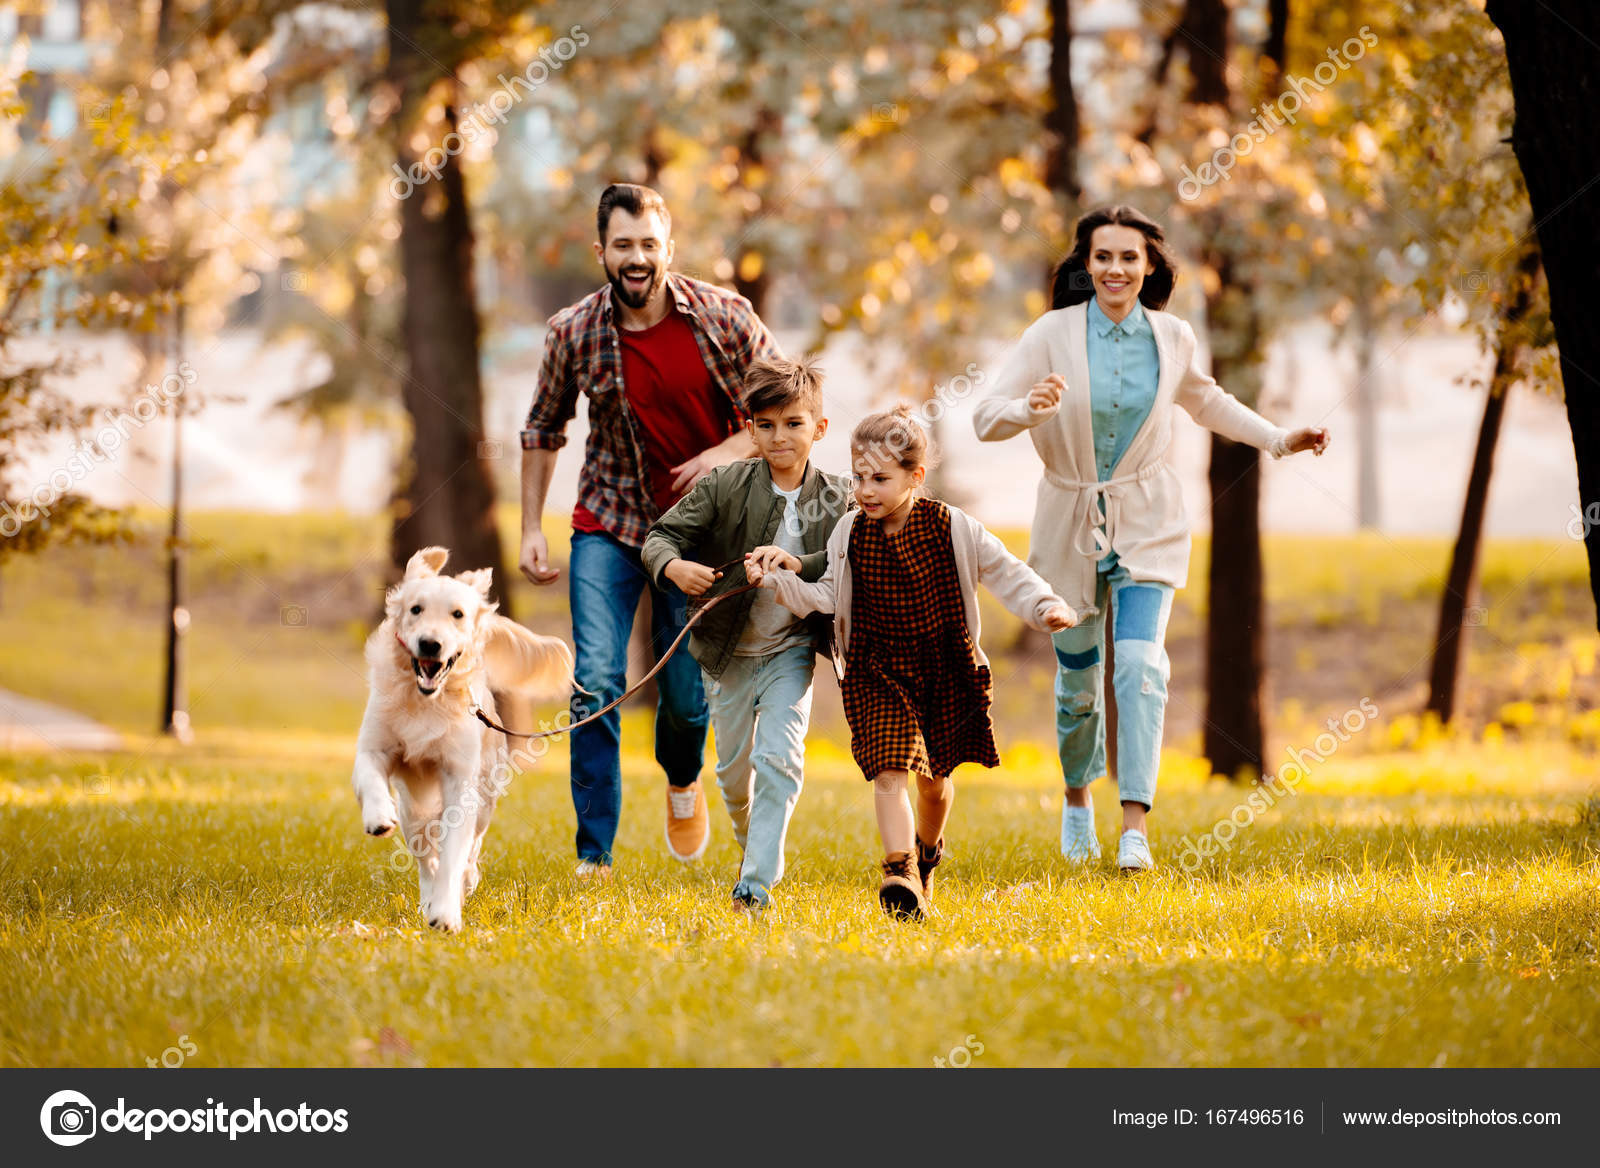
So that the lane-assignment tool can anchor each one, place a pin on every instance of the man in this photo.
(662, 359)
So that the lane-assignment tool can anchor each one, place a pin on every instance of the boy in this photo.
(756, 657)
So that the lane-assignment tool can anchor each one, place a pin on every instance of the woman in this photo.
(1093, 382)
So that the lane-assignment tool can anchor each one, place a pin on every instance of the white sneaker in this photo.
(1133, 852)
(1078, 841)
(592, 870)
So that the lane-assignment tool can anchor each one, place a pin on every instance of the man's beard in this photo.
(658, 276)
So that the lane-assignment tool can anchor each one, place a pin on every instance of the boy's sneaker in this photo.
(1133, 852)
(901, 892)
(592, 870)
(927, 860)
(1078, 841)
(688, 822)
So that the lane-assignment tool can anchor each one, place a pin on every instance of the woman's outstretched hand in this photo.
(1060, 617)
(1308, 438)
(1046, 394)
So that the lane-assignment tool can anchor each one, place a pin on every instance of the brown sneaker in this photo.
(927, 860)
(899, 893)
(688, 822)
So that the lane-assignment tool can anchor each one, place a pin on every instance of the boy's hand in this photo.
(1308, 438)
(768, 557)
(1060, 617)
(693, 578)
(1046, 394)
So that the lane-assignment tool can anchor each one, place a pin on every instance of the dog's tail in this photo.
(526, 663)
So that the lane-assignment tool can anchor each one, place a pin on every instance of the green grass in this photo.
(1422, 908)
(1424, 898)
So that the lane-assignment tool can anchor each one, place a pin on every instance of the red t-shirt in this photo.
(679, 411)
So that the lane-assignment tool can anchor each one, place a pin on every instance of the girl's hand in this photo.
(1309, 438)
(1060, 617)
(1046, 394)
(767, 558)
(693, 578)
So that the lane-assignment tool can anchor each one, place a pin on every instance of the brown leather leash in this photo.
(643, 681)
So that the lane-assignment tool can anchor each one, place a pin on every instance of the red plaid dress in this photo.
(915, 696)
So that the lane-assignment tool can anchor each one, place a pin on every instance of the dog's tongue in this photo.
(430, 666)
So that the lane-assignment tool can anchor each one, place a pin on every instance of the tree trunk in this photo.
(1367, 505)
(1061, 118)
(1556, 137)
(753, 157)
(446, 494)
(1444, 677)
(175, 697)
(1234, 737)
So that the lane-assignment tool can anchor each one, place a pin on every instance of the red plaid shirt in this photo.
(582, 351)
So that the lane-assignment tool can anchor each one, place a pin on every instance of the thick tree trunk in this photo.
(1448, 646)
(1234, 738)
(1556, 136)
(1061, 118)
(446, 494)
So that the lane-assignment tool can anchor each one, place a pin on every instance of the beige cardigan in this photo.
(1141, 507)
(980, 559)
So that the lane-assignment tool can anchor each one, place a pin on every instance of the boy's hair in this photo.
(893, 438)
(770, 385)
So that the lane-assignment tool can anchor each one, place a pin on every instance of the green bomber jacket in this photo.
(729, 512)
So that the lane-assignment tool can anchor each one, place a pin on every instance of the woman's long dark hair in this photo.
(1072, 283)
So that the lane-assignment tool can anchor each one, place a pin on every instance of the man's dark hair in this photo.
(772, 385)
(635, 200)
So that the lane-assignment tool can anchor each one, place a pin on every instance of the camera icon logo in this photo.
(68, 1118)
(292, 616)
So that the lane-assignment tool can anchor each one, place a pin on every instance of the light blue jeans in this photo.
(760, 708)
(1139, 633)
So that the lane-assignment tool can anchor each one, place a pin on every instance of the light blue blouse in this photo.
(1123, 370)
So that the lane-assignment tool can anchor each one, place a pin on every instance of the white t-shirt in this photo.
(770, 627)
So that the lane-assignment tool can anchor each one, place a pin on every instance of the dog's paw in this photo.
(445, 921)
(380, 822)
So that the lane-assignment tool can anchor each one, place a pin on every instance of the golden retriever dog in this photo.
(424, 763)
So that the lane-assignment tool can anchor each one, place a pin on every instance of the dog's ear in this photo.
(480, 578)
(391, 603)
(427, 562)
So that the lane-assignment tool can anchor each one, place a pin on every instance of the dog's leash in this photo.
(643, 681)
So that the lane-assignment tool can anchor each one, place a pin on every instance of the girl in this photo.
(901, 583)
(1110, 518)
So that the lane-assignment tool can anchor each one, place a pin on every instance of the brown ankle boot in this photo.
(899, 893)
(927, 860)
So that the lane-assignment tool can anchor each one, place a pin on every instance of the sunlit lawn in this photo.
(1438, 907)
(1422, 898)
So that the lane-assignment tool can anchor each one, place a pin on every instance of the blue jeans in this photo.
(1139, 634)
(606, 580)
(760, 707)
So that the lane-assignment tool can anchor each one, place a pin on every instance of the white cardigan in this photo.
(1141, 508)
(980, 559)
